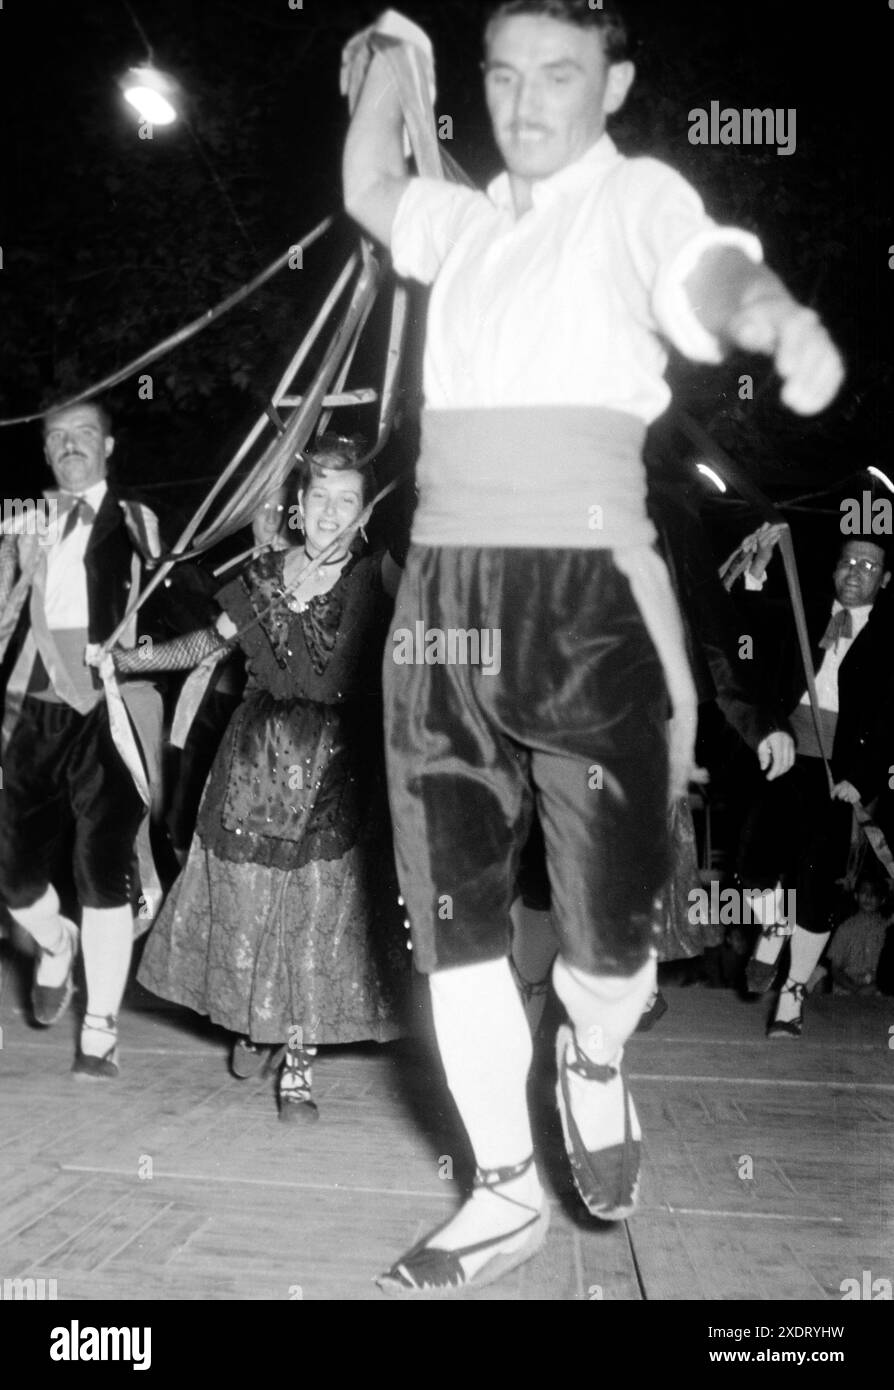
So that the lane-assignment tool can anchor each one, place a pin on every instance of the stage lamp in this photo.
(882, 477)
(152, 94)
(709, 473)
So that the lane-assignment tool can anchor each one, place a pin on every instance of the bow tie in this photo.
(80, 510)
(840, 625)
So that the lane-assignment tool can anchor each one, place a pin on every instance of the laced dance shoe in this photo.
(98, 1066)
(431, 1271)
(606, 1178)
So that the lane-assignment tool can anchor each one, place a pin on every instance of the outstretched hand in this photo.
(805, 357)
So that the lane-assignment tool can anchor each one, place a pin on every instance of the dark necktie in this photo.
(840, 625)
(80, 511)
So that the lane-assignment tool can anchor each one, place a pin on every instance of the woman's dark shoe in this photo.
(248, 1059)
(789, 1028)
(429, 1271)
(294, 1091)
(650, 1016)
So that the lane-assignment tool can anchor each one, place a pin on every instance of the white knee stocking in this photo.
(769, 911)
(53, 933)
(107, 936)
(43, 921)
(604, 1009)
(486, 1050)
(807, 947)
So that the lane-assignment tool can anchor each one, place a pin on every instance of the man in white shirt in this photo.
(552, 296)
(62, 773)
(797, 834)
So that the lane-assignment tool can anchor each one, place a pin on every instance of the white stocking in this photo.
(485, 1047)
(770, 912)
(52, 932)
(807, 947)
(107, 936)
(604, 1011)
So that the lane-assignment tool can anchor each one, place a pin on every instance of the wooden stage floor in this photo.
(769, 1167)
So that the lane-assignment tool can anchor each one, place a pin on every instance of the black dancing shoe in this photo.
(49, 1002)
(759, 975)
(656, 1010)
(429, 1271)
(104, 1067)
(607, 1179)
(791, 1028)
(249, 1060)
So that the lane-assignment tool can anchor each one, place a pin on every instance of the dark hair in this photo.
(336, 453)
(102, 412)
(607, 19)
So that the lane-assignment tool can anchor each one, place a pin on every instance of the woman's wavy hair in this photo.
(337, 453)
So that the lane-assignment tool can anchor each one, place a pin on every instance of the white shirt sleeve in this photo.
(429, 219)
(668, 232)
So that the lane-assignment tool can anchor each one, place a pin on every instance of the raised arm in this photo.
(374, 166)
(374, 169)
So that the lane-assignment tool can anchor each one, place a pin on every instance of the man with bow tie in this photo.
(798, 832)
(62, 772)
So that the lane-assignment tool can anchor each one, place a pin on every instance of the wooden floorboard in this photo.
(769, 1171)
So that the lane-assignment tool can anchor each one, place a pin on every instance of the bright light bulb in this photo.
(882, 477)
(152, 94)
(715, 478)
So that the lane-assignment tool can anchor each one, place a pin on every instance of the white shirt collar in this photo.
(94, 495)
(578, 175)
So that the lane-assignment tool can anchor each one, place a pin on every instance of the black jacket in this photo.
(863, 751)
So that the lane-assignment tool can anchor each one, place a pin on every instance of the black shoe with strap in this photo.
(790, 1028)
(105, 1066)
(607, 1179)
(249, 1060)
(430, 1271)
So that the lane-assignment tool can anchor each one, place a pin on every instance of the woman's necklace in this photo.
(324, 578)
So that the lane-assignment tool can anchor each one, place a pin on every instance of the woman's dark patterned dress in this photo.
(285, 914)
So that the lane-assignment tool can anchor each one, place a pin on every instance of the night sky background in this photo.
(111, 242)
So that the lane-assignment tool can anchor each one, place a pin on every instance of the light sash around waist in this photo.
(565, 476)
